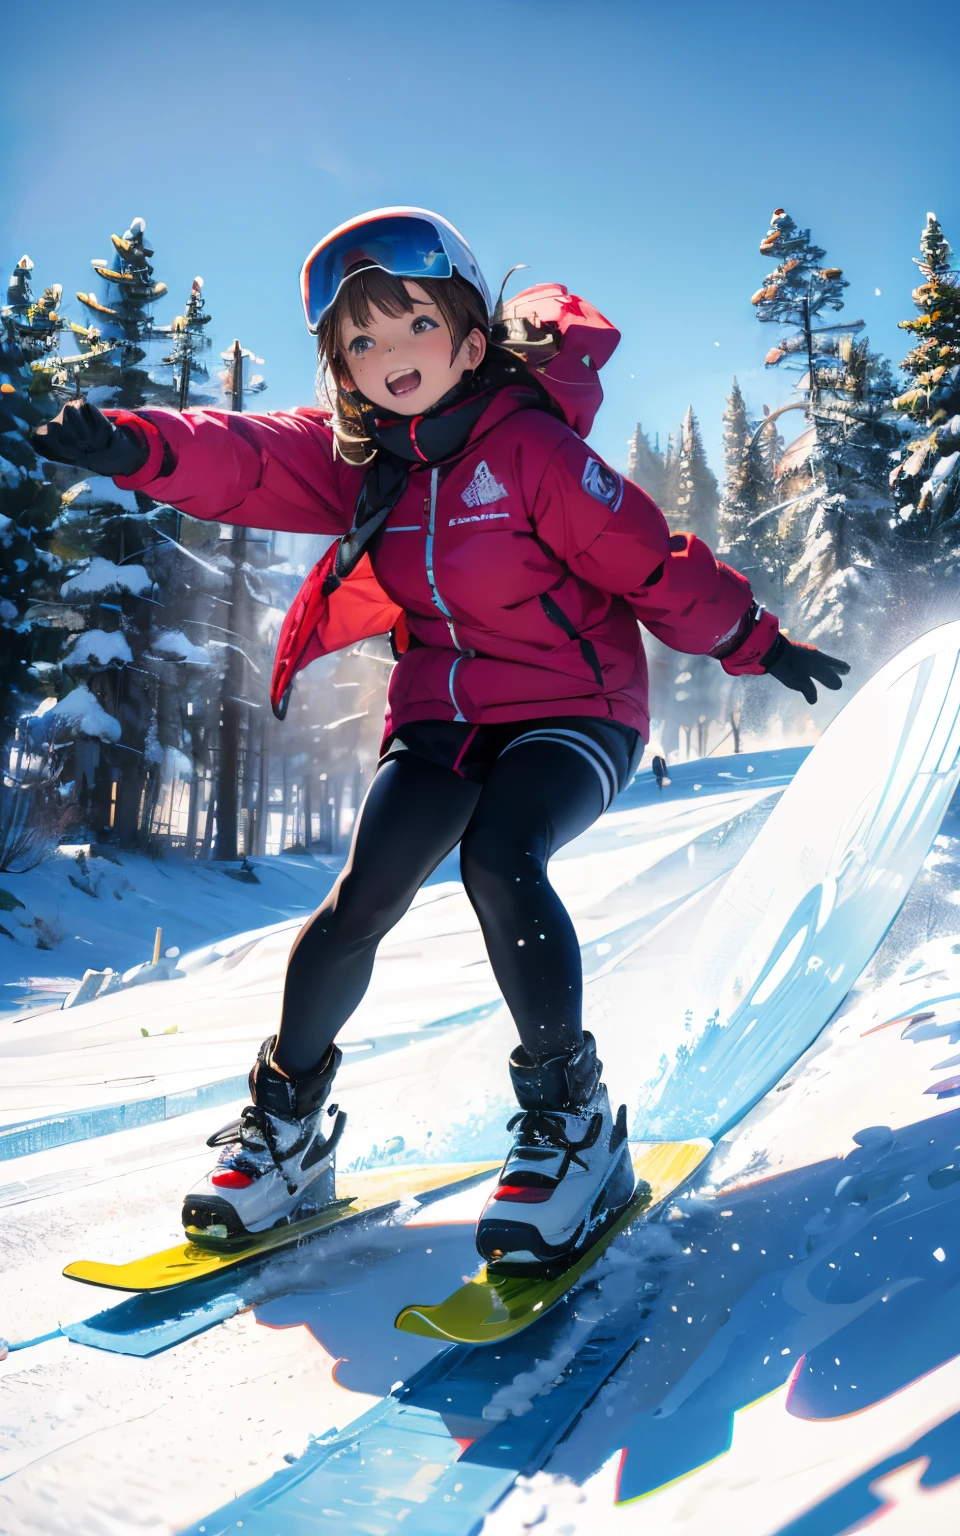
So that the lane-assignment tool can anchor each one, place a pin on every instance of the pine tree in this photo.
(645, 466)
(828, 547)
(839, 579)
(29, 332)
(796, 292)
(697, 499)
(671, 482)
(114, 542)
(686, 688)
(736, 436)
(926, 481)
(189, 343)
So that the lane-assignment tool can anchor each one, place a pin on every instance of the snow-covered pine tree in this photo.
(112, 588)
(684, 689)
(189, 342)
(697, 501)
(671, 480)
(926, 480)
(193, 575)
(736, 436)
(834, 531)
(29, 332)
(645, 465)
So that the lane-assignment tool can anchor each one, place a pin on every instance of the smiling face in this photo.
(406, 362)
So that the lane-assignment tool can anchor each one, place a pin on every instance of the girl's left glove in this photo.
(83, 435)
(802, 666)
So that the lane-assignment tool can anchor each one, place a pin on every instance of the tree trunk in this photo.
(193, 811)
(307, 813)
(734, 718)
(284, 809)
(228, 756)
(263, 795)
(208, 824)
(128, 825)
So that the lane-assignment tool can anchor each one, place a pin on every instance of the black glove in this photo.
(83, 435)
(800, 666)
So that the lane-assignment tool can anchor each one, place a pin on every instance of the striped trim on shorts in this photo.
(583, 744)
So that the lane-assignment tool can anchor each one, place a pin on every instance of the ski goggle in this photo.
(406, 242)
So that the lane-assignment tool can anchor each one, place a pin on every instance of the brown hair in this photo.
(374, 289)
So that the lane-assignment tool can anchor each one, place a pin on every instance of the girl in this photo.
(512, 566)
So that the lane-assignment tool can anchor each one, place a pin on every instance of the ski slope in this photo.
(775, 1354)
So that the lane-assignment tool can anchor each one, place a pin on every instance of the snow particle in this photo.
(876, 293)
(784, 1351)
(766, 1359)
(939, 1255)
(520, 943)
(735, 1247)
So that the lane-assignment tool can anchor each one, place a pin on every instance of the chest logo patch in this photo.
(602, 484)
(483, 489)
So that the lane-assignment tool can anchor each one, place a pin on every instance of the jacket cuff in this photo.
(750, 644)
(147, 434)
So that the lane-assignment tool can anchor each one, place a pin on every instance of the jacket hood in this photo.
(582, 341)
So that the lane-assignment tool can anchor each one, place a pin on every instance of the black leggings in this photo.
(537, 797)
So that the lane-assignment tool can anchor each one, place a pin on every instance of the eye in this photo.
(359, 345)
(423, 323)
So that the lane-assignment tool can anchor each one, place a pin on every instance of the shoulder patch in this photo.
(603, 484)
(484, 488)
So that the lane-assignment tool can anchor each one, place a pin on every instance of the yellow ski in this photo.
(375, 1190)
(486, 1310)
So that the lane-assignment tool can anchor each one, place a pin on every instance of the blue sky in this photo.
(629, 150)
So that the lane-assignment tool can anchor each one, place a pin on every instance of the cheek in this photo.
(436, 350)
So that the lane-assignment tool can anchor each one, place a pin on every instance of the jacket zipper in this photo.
(437, 599)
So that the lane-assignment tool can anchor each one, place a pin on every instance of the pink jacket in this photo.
(519, 569)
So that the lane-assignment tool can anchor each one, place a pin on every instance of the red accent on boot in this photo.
(231, 1178)
(525, 1194)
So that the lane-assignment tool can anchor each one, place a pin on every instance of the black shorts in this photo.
(612, 750)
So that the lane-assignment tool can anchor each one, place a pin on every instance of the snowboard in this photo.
(486, 1309)
(377, 1192)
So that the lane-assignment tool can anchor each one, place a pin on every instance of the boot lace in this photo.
(253, 1123)
(538, 1128)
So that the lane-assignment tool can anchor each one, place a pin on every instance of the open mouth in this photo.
(404, 381)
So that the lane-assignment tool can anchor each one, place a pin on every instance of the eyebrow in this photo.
(361, 331)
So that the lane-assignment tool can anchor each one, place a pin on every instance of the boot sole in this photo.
(201, 1212)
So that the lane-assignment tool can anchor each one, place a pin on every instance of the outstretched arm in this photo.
(271, 471)
(610, 533)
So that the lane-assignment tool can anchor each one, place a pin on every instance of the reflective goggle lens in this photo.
(405, 247)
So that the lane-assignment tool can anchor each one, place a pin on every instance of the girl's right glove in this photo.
(83, 435)
(801, 666)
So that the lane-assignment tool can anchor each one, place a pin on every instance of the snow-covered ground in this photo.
(791, 1317)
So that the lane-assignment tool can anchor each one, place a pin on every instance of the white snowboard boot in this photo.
(276, 1165)
(569, 1173)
